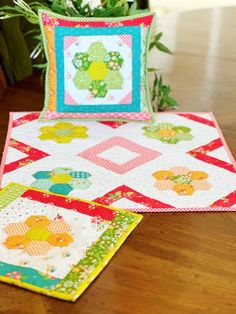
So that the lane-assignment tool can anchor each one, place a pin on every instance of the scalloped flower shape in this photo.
(98, 70)
(37, 235)
(181, 180)
(168, 133)
(62, 132)
(61, 180)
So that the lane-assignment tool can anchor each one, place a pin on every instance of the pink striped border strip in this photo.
(137, 116)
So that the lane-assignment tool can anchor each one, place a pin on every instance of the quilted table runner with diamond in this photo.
(179, 163)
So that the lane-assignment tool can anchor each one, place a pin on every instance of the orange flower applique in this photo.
(38, 234)
(181, 180)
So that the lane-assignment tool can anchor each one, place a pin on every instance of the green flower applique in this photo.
(98, 70)
(168, 133)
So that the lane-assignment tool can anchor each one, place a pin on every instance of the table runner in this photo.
(179, 163)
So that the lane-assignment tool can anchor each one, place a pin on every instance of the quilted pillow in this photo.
(96, 67)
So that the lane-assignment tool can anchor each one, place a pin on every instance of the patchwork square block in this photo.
(96, 67)
(57, 245)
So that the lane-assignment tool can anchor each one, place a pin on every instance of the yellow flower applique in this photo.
(62, 132)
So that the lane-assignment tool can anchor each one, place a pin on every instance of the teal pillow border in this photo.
(144, 80)
(134, 31)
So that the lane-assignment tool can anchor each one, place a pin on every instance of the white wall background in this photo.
(168, 6)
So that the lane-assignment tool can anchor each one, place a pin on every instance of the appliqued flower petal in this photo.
(62, 170)
(198, 175)
(163, 175)
(59, 226)
(37, 221)
(82, 184)
(16, 242)
(35, 248)
(63, 189)
(60, 239)
(183, 189)
(201, 185)
(164, 185)
(18, 228)
(48, 129)
(63, 125)
(42, 184)
(80, 174)
(42, 175)
(179, 170)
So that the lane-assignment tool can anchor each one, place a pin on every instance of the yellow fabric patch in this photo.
(97, 71)
(61, 178)
(37, 221)
(37, 234)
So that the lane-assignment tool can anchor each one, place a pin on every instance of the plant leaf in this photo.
(133, 8)
(32, 31)
(171, 102)
(152, 69)
(40, 66)
(158, 37)
(163, 48)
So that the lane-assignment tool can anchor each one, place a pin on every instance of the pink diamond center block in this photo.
(144, 154)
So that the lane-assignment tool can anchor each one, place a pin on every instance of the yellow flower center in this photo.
(37, 234)
(63, 132)
(61, 178)
(166, 133)
(97, 70)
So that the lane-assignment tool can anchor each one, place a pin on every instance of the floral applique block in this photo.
(62, 132)
(98, 70)
(61, 180)
(95, 67)
(54, 244)
(37, 235)
(181, 180)
(168, 133)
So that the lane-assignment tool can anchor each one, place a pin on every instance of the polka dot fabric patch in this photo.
(96, 67)
(51, 243)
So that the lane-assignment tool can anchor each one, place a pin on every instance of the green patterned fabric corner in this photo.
(10, 193)
(97, 253)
